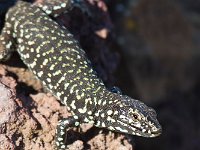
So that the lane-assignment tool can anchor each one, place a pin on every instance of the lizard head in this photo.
(137, 118)
(131, 116)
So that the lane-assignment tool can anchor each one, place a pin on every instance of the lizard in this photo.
(56, 58)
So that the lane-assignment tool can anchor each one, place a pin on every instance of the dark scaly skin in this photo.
(56, 58)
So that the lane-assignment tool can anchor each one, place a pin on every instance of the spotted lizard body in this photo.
(55, 57)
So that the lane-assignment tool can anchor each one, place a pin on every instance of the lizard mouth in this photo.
(135, 130)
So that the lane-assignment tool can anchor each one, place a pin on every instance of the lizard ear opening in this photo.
(116, 89)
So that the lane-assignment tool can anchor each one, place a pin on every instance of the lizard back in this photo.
(53, 55)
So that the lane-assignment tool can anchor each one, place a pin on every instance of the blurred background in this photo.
(160, 45)
(155, 57)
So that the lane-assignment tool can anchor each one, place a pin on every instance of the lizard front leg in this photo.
(6, 42)
(64, 124)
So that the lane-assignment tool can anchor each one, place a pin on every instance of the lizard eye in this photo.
(135, 116)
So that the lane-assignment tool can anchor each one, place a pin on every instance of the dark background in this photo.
(160, 45)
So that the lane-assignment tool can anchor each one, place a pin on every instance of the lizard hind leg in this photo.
(55, 7)
(6, 42)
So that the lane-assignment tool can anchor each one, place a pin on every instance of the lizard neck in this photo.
(106, 98)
